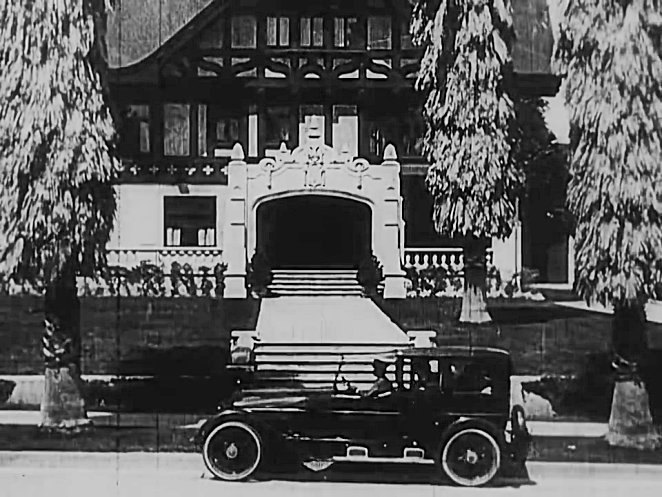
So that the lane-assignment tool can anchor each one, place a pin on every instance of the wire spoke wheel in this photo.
(471, 457)
(232, 451)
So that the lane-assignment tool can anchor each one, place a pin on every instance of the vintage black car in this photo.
(444, 407)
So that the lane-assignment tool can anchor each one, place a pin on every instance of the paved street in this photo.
(165, 475)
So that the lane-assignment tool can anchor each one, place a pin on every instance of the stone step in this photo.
(330, 350)
(321, 272)
(315, 271)
(312, 287)
(262, 381)
(363, 367)
(317, 363)
(314, 281)
(316, 292)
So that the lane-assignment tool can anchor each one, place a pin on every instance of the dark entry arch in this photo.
(314, 231)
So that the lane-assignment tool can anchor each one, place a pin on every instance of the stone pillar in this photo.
(234, 235)
(507, 254)
(391, 238)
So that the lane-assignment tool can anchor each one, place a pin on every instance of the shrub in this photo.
(160, 394)
(259, 275)
(589, 394)
(370, 274)
(219, 278)
(150, 280)
(439, 281)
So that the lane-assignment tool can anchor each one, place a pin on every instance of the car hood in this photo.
(275, 399)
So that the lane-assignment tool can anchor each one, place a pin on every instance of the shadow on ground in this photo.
(392, 474)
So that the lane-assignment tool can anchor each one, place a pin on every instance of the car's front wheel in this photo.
(470, 457)
(232, 451)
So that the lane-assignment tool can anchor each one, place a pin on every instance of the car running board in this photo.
(411, 455)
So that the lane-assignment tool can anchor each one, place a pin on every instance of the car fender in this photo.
(270, 437)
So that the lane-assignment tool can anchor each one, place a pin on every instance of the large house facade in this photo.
(291, 128)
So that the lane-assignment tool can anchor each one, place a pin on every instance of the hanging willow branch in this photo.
(57, 155)
(473, 177)
(610, 54)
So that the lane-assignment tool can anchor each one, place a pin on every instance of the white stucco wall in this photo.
(139, 219)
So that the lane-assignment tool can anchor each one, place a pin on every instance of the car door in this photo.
(423, 417)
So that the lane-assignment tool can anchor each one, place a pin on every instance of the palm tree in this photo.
(57, 162)
(472, 177)
(609, 52)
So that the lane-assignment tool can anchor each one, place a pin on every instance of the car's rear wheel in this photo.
(232, 451)
(471, 457)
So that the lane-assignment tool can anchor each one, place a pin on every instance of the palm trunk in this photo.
(62, 405)
(630, 421)
(474, 302)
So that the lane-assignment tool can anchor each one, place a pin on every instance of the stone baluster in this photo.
(408, 261)
(426, 260)
(443, 260)
(460, 261)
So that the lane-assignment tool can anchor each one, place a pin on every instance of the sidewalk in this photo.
(561, 429)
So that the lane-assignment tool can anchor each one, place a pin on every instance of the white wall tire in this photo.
(471, 457)
(232, 451)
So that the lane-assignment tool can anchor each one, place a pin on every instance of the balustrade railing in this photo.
(449, 258)
(165, 257)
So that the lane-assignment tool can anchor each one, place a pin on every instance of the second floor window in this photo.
(218, 127)
(347, 33)
(379, 33)
(176, 129)
(244, 32)
(278, 31)
(134, 132)
(277, 126)
(312, 32)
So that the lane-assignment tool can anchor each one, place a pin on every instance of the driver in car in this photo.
(382, 384)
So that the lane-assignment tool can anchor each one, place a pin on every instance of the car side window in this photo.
(469, 377)
(466, 377)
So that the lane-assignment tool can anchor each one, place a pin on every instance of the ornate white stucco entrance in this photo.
(314, 169)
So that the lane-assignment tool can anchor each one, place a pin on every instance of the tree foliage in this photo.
(57, 156)
(609, 53)
(473, 178)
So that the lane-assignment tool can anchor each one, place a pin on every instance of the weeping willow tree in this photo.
(472, 177)
(57, 162)
(609, 52)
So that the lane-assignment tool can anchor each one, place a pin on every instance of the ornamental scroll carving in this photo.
(315, 158)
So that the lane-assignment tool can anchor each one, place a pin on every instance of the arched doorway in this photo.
(314, 231)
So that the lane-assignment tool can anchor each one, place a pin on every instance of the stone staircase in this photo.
(315, 282)
(297, 366)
